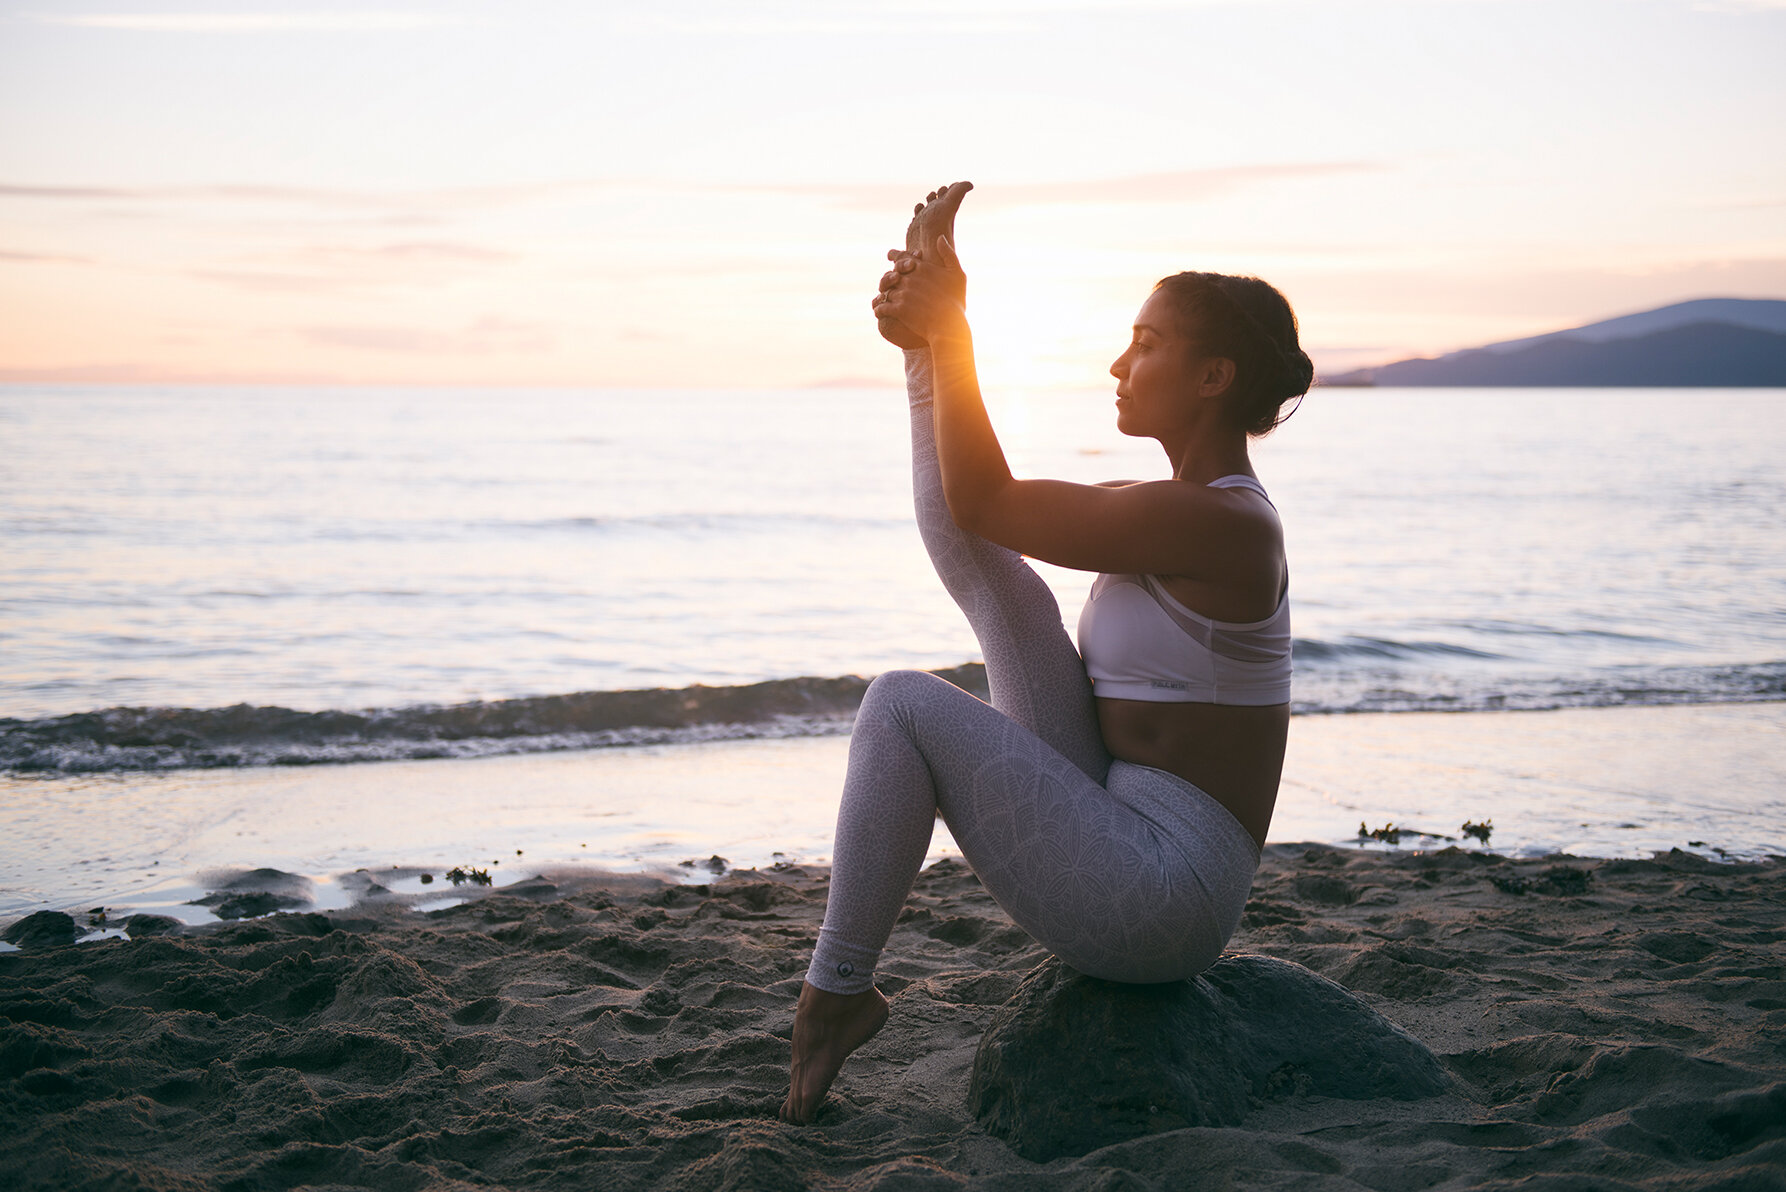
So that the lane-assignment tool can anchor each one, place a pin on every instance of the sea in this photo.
(222, 588)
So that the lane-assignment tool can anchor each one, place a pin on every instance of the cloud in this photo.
(1182, 186)
(417, 252)
(42, 258)
(274, 283)
(1028, 7)
(463, 197)
(907, 16)
(323, 268)
(932, 24)
(850, 381)
(137, 374)
(322, 21)
(9, 191)
(1179, 187)
(490, 334)
(1745, 204)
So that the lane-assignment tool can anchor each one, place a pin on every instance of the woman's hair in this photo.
(1247, 321)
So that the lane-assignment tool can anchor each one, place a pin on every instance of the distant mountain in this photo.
(1710, 342)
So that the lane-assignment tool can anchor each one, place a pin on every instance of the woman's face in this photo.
(1160, 374)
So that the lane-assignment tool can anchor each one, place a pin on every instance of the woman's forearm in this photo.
(973, 464)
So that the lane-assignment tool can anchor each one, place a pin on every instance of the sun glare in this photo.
(1033, 331)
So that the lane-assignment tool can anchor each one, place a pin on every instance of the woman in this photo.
(1114, 806)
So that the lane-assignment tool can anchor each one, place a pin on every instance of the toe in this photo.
(793, 1112)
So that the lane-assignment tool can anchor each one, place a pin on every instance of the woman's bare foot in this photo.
(827, 1027)
(932, 220)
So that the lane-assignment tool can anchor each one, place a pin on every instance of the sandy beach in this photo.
(1606, 1024)
(464, 467)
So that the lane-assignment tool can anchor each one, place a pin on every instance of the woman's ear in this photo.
(1217, 376)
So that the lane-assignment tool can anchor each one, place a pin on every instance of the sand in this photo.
(1610, 1024)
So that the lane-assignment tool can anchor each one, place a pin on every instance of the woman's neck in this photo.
(1209, 458)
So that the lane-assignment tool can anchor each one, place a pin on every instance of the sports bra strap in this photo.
(1241, 480)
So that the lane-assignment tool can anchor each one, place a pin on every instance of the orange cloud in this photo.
(27, 258)
(488, 335)
(1181, 186)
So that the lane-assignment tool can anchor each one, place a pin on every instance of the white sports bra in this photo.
(1139, 643)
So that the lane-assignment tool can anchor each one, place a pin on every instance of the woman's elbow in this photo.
(966, 508)
(986, 504)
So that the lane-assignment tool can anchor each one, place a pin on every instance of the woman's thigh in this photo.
(1091, 875)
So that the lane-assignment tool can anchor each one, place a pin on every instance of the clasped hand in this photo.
(928, 298)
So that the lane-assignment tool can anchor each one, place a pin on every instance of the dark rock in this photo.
(1073, 1063)
(249, 905)
(249, 894)
(45, 929)
(138, 926)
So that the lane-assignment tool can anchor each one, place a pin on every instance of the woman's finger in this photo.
(945, 254)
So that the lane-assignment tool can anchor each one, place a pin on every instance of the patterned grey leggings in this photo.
(1123, 871)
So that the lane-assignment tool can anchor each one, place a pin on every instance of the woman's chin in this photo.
(1125, 419)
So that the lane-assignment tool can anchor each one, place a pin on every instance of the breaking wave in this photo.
(1355, 675)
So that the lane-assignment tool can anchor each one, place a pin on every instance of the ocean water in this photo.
(341, 549)
(195, 578)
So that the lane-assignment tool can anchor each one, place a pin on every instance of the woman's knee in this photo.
(898, 694)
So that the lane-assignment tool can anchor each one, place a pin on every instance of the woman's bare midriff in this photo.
(1233, 754)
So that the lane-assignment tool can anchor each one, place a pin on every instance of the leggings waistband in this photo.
(1184, 811)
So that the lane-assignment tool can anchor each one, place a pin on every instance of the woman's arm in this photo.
(1163, 527)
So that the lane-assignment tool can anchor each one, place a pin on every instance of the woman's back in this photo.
(1192, 675)
(1234, 753)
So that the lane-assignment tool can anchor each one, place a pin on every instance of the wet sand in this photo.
(1603, 782)
(1609, 1023)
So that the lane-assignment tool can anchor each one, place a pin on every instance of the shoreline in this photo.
(1623, 782)
(159, 738)
(1616, 1022)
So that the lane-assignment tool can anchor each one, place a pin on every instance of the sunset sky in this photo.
(700, 192)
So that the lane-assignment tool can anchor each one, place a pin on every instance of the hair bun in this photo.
(1249, 321)
(1299, 372)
